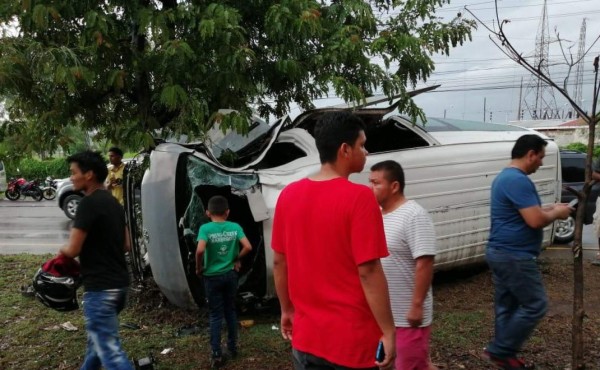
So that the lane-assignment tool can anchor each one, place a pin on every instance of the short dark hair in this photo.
(392, 171)
(117, 151)
(526, 143)
(218, 205)
(332, 130)
(90, 161)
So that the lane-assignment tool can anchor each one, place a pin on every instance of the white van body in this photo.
(449, 167)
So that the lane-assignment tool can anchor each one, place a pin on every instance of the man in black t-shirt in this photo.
(99, 238)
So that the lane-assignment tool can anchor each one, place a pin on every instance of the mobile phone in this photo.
(380, 353)
(573, 203)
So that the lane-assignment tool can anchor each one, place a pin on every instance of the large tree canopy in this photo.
(121, 67)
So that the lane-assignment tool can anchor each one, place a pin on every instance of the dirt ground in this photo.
(464, 318)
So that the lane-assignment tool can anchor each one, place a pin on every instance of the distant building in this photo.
(563, 133)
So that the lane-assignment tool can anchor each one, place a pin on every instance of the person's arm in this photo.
(200, 256)
(537, 217)
(281, 286)
(596, 175)
(108, 182)
(375, 288)
(246, 247)
(423, 279)
(76, 239)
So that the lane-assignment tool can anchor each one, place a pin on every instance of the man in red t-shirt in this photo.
(327, 240)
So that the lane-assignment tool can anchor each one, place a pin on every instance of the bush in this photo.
(36, 169)
(581, 147)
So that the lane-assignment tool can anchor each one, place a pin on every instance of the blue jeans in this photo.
(520, 300)
(220, 292)
(101, 310)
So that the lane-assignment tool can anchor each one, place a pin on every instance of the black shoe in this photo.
(507, 363)
(216, 362)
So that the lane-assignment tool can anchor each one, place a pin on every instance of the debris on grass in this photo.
(130, 325)
(166, 351)
(246, 323)
(68, 326)
(188, 330)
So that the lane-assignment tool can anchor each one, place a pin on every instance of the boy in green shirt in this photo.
(218, 262)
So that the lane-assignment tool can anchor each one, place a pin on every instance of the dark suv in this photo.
(573, 174)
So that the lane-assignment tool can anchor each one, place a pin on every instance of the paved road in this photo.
(32, 227)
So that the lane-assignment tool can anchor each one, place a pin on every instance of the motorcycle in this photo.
(49, 188)
(20, 186)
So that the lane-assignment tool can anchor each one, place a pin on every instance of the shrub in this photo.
(36, 169)
(581, 147)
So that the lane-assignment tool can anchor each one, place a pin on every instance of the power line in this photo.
(500, 7)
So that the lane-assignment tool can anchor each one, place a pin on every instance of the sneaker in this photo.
(230, 354)
(507, 363)
(216, 362)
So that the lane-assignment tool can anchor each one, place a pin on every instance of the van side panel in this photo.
(453, 182)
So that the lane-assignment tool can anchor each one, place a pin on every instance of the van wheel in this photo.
(564, 230)
(70, 205)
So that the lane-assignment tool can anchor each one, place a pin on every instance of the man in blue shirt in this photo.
(518, 219)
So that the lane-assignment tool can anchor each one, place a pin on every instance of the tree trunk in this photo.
(578, 311)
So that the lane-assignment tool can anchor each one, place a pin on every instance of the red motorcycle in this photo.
(20, 186)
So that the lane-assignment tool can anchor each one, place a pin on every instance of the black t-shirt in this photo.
(102, 256)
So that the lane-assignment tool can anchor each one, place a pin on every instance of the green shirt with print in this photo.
(222, 246)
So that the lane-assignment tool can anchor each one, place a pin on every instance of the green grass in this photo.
(460, 329)
(26, 345)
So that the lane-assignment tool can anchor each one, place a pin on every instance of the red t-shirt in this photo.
(326, 229)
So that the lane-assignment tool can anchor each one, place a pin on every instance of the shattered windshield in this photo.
(201, 174)
(234, 149)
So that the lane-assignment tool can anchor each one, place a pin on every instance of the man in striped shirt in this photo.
(410, 238)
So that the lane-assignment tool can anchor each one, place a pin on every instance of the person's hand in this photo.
(199, 271)
(237, 265)
(563, 211)
(389, 345)
(287, 321)
(415, 316)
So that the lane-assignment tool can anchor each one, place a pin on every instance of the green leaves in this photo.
(173, 97)
(128, 68)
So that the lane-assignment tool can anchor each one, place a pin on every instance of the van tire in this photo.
(564, 230)
(70, 205)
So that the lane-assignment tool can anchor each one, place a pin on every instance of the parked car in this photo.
(573, 176)
(449, 165)
(67, 198)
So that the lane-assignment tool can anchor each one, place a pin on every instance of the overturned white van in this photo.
(449, 167)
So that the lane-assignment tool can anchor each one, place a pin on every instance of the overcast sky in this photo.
(479, 70)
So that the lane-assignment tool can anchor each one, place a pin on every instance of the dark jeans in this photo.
(101, 310)
(306, 361)
(220, 292)
(520, 300)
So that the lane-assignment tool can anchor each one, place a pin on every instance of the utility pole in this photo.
(577, 95)
(539, 96)
(520, 97)
(484, 110)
